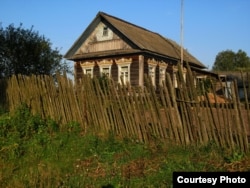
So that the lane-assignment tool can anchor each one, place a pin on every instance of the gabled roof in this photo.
(141, 38)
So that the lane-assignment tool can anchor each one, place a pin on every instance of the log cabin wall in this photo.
(145, 69)
(135, 74)
(134, 71)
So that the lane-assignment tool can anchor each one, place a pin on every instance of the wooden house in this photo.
(125, 52)
(228, 78)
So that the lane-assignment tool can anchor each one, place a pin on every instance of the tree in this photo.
(24, 51)
(231, 61)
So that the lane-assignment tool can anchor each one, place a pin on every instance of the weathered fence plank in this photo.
(101, 106)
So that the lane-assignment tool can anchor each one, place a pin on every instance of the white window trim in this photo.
(152, 76)
(162, 75)
(87, 68)
(105, 64)
(88, 65)
(105, 31)
(199, 78)
(103, 67)
(119, 72)
(122, 63)
(152, 63)
(174, 81)
(184, 72)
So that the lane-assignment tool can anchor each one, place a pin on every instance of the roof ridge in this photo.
(130, 23)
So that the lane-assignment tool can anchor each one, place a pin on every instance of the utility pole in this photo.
(182, 4)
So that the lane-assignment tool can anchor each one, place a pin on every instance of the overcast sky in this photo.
(210, 26)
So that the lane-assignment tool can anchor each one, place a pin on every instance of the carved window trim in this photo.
(122, 64)
(88, 68)
(162, 72)
(105, 64)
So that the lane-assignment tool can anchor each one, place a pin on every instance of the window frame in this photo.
(162, 75)
(88, 66)
(103, 64)
(105, 31)
(102, 67)
(123, 62)
(152, 73)
(121, 73)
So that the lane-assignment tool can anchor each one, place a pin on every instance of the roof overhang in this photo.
(204, 72)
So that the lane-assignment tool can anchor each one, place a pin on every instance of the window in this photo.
(124, 74)
(151, 73)
(162, 75)
(88, 68)
(105, 67)
(88, 71)
(124, 70)
(105, 31)
(105, 71)
(175, 80)
(199, 80)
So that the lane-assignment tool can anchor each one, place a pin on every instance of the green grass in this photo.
(40, 153)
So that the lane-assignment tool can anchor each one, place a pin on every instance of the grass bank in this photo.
(42, 153)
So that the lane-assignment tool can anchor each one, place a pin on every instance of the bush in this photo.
(19, 128)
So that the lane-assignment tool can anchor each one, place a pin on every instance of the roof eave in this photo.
(110, 53)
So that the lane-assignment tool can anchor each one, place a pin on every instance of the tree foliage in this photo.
(24, 51)
(231, 61)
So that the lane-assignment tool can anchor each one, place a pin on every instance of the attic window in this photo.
(105, 31)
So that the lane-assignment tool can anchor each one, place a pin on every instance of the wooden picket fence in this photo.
(145, 114)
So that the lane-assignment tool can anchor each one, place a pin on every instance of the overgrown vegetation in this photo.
(25, 51)
(204, 86)
(36, 152)
(229, 60)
